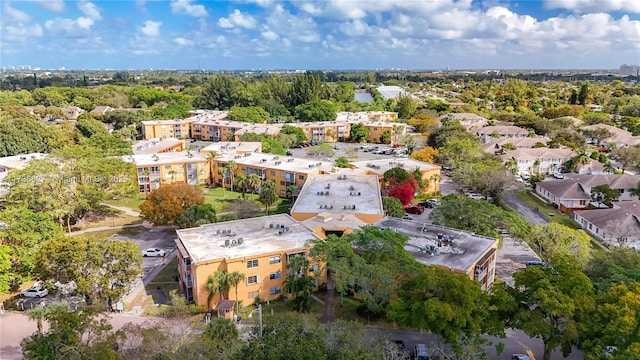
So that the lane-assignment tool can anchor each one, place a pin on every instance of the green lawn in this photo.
(548, 211)
(166, 280)
(132, 203)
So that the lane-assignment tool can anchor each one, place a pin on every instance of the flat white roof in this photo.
(464, 250)
(167, 122)
(340, 193)
(260, 235)
(19, 161)
(165, 158)
(232, 148)
(279, 162)
(379, 166)
(152, 146)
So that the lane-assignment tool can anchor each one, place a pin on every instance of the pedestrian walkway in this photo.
(124, 209)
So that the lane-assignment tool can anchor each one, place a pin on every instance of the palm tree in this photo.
(241, 183)
(38, 314)
(436, 178)
(234, 279)
(609, 167)
(145, 175)
(217, 283)
(298, 283)
(173, 174)
(221, 330)
(512, 165)
(254, 182)
(211, 158)
(536, 166)
(232, 166)
(291, 190)
(223, 171)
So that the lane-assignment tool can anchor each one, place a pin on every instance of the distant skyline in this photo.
(320, 34)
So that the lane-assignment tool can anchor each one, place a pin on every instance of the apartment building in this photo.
(492, 133)
(338, 203)
(539, 160)
(285, 171)
(154, 170)
(430, 173)
(377, 129)
(451, 249)
(164, 129)
(259, 248)
(156, 146)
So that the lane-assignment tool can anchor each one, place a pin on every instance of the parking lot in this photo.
(160, 237)
(344, 151)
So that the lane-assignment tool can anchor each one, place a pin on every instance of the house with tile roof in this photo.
(469, 120)
(619, 137)
(619, 225)
(574, 191)
(520, 143)
(539, 160)
(490, 133)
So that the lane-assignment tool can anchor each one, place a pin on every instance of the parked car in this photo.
(475, 196)
(520, 357)
(420, 352)
(415, 209)
(289, 153)
(558, 175)
(336, 147)
(35, 292)
(153, 252)
(431, 203)
(364, 146)
(537, 263)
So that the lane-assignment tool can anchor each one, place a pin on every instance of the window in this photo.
(282, 183)
(167, 167)
(274, 260)
(274, 275)
(180, 166)
(252, 280)
(253, 294)
(314, 268)
(273, 173)
(301, 177)
(275, 290)
(252, 264)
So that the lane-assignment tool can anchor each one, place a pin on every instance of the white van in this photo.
(525, 175)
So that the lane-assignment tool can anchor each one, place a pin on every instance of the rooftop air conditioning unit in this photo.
(271, 226)
(226, 243)
(240, 240)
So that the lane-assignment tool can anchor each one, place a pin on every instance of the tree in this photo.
(404, 192)
(268, 194)
(240, 209)
(393, 207)
(222, 331)
(556, 240)
(71, 334)
(551, 302)
(426, 154)
(253, 181)
(603, 194)
(396, 174)
(218, 94)
(105, 268)
(359, 133)
(223, 170)
(598, 135)
(627, 156)
(342, 162)
(618, 266)
(322, 150)
(423, 123)
(166, 204)
(405, 106)
(234, 279)
(250, 114)
(446, 303)
(385, 137)
(196, 215)
(89, 127)
(232, 166)
(218, 283)
(211, 158)
(299, 283)
(294, 130)
(583, 95)
(315, 111)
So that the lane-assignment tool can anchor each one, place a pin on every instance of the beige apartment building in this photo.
(153, 170)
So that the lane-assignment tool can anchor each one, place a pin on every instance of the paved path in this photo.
(124, 209)
(524, 209)
(103, 228)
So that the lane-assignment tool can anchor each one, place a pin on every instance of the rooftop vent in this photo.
(342, 177)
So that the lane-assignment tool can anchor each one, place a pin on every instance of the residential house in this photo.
(619, 137)
(491, 133)
(102, 110)
(619, 225)
(469, 120)
(574, 191)
(538, 160)
(9, 163)
(496, 145)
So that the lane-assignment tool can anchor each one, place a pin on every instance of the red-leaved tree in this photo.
(404, 192)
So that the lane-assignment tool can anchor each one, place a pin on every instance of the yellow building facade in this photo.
(164, 129)
(154, 170)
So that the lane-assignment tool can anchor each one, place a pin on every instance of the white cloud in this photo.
(225, 23)
(53, 5)
(586, 6)
(187, 7)
(72, 28)
(355, 28)
(14, 15)
(296, 27)
(150, 28)
(182, 41)
(20, 33)
(262, 3)
(238, 18)
(90, 9)
(268, 34)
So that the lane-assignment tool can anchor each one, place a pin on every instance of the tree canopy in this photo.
(166, 204)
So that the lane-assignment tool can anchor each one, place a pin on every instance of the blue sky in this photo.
(320, 34)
